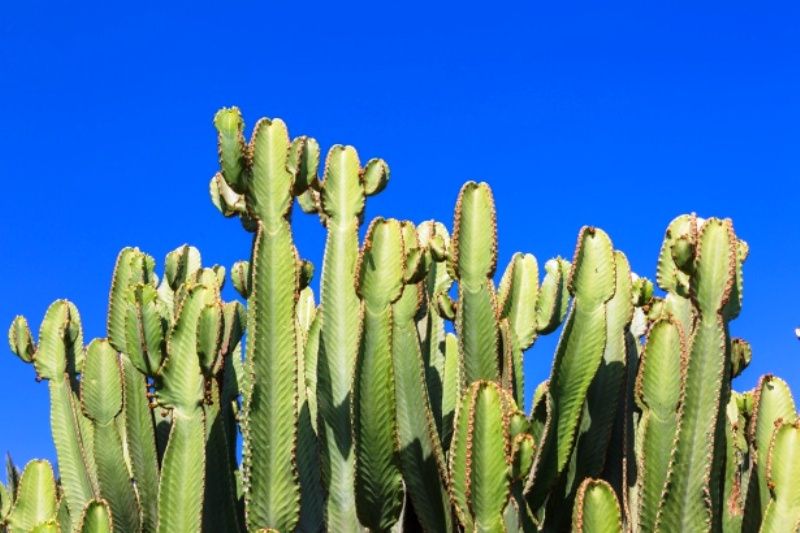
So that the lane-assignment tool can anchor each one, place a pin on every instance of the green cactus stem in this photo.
(690, 501)
(422, 459)
(379, 279)
(480, 461)
(267, 174)
(101, 400)
(36, 502)
(579, 354)
(596, 508)
(342, 197)
(472, 262)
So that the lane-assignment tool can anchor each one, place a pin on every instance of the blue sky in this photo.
(620, 116)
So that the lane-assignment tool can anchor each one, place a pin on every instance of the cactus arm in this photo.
(688, 503)
(59, 342)
(101, 400)
(96, 518)
(379, 279)
(737, 465)
(658, 387)
(783, 469)
(421, 456)
(435, 241)
(341, 205)
(480, 467)
(232, 148)
(602, 398)
(578, 356)
(596, 508)
(78, 483)
(270, 401)
(473, 262)
(553, 299)
(772, 401)
(36, 501)
(141, 443)
(182, 481)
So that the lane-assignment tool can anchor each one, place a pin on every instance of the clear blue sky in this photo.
(616, 116)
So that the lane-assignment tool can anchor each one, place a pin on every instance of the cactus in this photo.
(341, 199)
(368, 413)
(260, 174)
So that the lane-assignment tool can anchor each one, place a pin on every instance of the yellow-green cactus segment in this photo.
(741, 355)
(553, 299)
(141, 443)
(421, 456)
(517, 296)
(596, 508)
(737, 464)
(379, 282)
(772, 401)
(783, 470)
(480, 463)
(473, 261)
(182, 391)
(56, 358)
(603, 399)
(580, 351)
(20, 339)
(341, 202)
(36, 501)
(131, 268)
(435, 243)
(451, 388)
(690, 496)
(96, 518)
(267, 174)
(662, 371)
(678, 246)
(308, 468)
(101, 399)
(233, 152)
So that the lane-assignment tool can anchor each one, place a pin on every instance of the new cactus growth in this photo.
(368, 412)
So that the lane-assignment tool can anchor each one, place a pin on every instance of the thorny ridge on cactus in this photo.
(396, 403)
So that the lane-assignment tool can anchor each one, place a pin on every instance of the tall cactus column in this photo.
(257, 180)
(341, 204)
(689, 501)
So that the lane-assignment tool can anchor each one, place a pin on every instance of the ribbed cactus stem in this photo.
(379, 279)
(662, 373)
(101, 400)
(266, 177)
(691, 498)
(592, 283)
(341, 203)
(422, 459)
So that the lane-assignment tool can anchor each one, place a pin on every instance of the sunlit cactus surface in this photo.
(394, 399)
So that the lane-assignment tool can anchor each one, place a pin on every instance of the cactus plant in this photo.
(370, 412)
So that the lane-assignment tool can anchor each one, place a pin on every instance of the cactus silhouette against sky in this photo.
(397, 403)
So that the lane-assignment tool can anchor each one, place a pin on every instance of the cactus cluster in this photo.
(397, 403)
